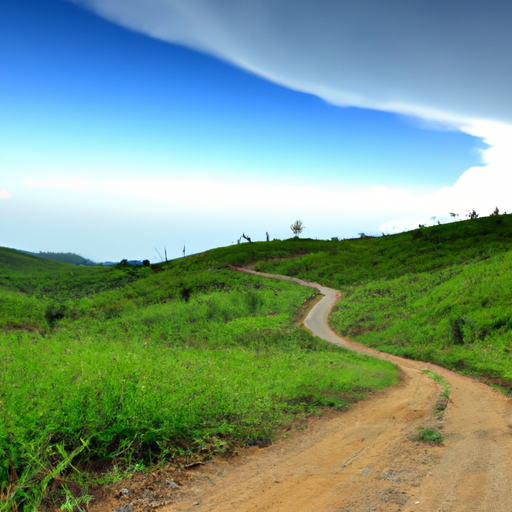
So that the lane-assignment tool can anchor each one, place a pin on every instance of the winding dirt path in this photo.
(367, 459)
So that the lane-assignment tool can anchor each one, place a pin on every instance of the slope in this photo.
(119, 369)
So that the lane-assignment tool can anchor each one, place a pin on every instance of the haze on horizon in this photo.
(133, 124)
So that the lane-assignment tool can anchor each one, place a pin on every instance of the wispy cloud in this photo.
(4, 194)
(433, 59)
(446, 62)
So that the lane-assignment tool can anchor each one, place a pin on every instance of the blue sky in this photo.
(114, 142)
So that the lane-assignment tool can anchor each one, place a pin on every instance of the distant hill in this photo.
(62, 257)
(13, 262)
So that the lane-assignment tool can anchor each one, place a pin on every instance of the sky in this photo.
(132, 126)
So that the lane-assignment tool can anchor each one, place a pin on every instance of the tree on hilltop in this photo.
(297, 227)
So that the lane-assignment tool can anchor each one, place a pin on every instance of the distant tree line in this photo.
(63, 257)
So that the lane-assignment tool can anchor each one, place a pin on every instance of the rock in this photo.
(124, 492)
(172, 485)
(124, 508)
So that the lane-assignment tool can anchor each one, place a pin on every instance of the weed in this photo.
(73, 503)
(429, 436)
(444, 397)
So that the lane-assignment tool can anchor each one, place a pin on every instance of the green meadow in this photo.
(129, 367)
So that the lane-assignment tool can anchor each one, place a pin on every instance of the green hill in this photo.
(63, 257)
(134, 365)
(440, 294)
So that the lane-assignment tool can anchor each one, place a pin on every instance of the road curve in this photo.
(317, 320)
(368, 459)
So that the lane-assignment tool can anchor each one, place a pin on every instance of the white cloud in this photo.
(446, 62)
(440, 60)
(4, 194)
(327, 208)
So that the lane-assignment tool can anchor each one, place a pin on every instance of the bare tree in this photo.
(159, 255)
(248, 238)
(297, 227)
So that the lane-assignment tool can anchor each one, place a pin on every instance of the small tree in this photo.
(472, 215)
(297, 227)
(496, 211)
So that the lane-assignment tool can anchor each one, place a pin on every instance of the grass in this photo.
(429, 436)
(129, 367)
(347, 263)
(458, 317)
(444, 397)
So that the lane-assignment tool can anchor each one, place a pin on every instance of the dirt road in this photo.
(368, 459)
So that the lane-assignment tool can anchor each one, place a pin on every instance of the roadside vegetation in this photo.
(127, 367)
(430, 436)
(444, 397)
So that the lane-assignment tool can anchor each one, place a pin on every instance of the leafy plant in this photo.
(73, 503)
(429, 436)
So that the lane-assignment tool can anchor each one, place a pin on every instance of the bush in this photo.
(429, 436)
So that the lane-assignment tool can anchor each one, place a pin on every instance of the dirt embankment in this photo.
(368, 459)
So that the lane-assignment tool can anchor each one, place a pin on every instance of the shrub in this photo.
(429, 436)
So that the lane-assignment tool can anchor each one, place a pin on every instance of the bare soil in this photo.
(366, 459)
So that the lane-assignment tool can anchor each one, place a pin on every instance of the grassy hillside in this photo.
(348, 262)
(131, 366)
(33, 276)
(440, 294)
(459, 317)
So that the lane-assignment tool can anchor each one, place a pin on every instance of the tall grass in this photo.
(459, 317)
